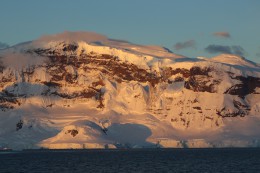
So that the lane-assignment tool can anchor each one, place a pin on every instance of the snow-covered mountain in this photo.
(84, 90)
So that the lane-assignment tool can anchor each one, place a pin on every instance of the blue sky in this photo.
(189, 27)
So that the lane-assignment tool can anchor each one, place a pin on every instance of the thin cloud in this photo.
(218, 49)
(3, 45)
(238, 50)
(20, 60)
(213, 49)
(257, 54)
(185, 45)
(74, 36)
(222, 34)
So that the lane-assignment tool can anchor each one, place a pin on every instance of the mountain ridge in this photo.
(63, 92)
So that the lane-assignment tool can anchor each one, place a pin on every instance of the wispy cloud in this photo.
(21, 60)
(222, 34)
(3, 45)
(238, 50)
(74, 36)
(185, 45)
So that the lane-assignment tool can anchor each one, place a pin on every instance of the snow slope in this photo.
(84, 90)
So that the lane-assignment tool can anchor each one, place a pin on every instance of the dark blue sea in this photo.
(139, 160)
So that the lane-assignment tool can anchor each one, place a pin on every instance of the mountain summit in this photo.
(84, 90)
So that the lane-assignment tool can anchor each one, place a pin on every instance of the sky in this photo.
(188, 27)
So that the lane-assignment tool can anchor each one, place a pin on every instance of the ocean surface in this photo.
(245, 160)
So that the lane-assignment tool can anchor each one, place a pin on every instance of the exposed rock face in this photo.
(187, 95)
(247, 85)
(66, 68)
(73, 132)
(19, 125)
(200, 80)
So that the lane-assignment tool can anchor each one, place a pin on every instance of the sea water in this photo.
(136, 160)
